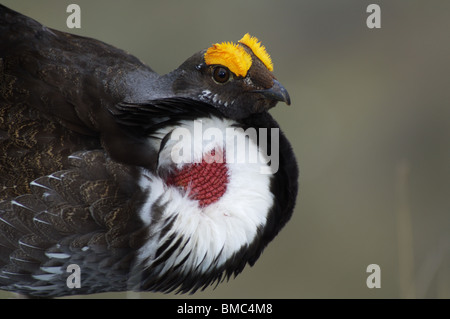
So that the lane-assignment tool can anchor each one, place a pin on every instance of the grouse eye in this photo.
(221, 74)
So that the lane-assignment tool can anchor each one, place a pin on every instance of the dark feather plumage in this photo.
(76, 115)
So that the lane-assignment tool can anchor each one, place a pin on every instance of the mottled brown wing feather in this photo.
(43, 232)
(56, 94)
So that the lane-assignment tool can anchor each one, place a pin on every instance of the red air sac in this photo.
(206, 182)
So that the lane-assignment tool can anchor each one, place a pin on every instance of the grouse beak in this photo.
(277, 92)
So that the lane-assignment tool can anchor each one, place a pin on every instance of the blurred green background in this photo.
(369, 122)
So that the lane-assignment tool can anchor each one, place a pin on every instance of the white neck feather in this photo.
(208, 235)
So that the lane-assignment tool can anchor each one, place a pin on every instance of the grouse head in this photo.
(236, 78)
